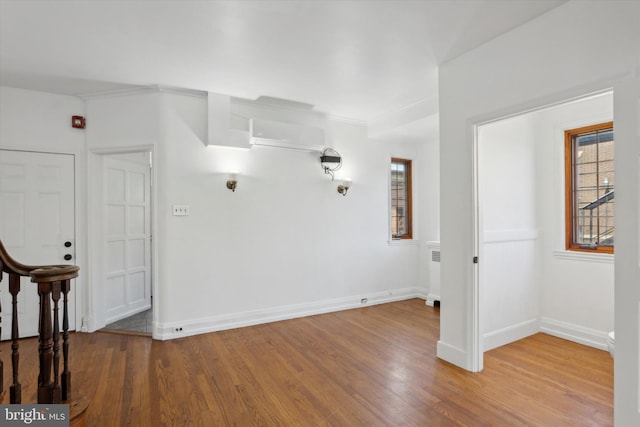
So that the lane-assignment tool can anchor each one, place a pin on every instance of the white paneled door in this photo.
(127, 263)
(37, 223)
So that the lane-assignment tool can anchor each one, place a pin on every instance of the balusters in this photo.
(52, 283)
(66, 375)
(45, 347)
(55, 295)
(15, 391)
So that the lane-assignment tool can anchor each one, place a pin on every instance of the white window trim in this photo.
(584, 256)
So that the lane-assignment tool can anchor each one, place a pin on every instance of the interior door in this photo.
(127, 236)
(37, 224)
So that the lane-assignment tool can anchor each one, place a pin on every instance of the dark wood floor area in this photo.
(374, 366)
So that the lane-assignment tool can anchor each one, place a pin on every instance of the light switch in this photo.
(181, 210)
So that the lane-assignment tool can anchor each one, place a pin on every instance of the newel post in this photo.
(52, 281)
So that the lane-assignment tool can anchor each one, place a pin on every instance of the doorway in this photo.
(527, 281)
(124, 261)
(37, 225)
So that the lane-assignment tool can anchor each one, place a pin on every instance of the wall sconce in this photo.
(232, 182)
(344, 187)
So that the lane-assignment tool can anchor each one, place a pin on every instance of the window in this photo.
(589, 188)
(401, 199)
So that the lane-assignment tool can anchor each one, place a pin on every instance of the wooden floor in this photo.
(374, 366)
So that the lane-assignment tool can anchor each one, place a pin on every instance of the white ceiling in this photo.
(358, 59)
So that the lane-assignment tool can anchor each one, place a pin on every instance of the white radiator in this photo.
(433, 298)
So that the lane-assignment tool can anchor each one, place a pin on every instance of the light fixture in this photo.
(232, 182)
(344, 187)
(330, 161)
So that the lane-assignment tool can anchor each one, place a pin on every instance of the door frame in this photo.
(475, 354)
(95, 313)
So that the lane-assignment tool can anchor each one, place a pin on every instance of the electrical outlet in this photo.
(363, 301)
(178, 329)
(181, 210)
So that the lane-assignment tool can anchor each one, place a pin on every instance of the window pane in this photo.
(401, 198)
(591, 211)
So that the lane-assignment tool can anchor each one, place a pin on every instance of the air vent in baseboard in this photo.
(435, 256)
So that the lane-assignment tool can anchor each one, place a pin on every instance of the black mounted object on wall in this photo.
(331, 161)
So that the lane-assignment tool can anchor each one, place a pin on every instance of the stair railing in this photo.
(53, 282)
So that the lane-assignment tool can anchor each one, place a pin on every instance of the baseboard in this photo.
(452, 354)
(431, 299)
(575, 333)
(190, 327)
(510, 334)
(422, 293)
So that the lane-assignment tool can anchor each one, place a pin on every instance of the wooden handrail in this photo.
(53, 281)
(11, 266)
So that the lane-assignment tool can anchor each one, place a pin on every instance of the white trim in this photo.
(181, 91)
(584, 256)
(504, 236)
(575, 333)
(118, 92)
(166, 331)
(347, 120)
(431, 299)
(94, 313)
(41, 149)
(577, 93)
(79, 284)
(422, 294)
(139, 90)
(473, 327)
(475, 358)
(510, 334)
(452, 354)
(403, 242)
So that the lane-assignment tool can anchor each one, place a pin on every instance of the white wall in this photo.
(509, 267)
(429, 209)
(284, 244)
(576, 297)
(115, 124)
(529, 282)
(515, 72)
(36, 121)
(39, 122)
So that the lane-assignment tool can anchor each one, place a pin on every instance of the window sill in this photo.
(584, 256)
(403, 242)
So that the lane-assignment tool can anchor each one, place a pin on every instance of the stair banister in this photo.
(52, 281)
